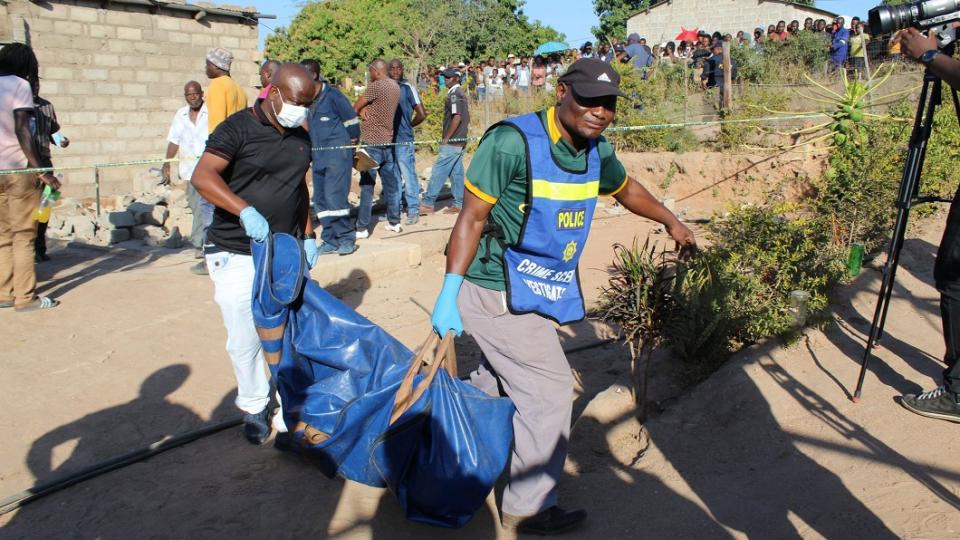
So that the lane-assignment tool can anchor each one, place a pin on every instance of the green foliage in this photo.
(766, 253)
(648, 102)
(613, 16)
(751, 102)
(698, 327)
(860, 187)
(782, 61)
(735, 292)
(345, 35)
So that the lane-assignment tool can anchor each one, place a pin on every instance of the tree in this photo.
(344, 35)
(614, 15)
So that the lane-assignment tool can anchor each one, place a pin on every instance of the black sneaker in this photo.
(284, 442)
(256, 427)
(551, 521)
(937, 403)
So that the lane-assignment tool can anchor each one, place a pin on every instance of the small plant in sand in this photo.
(637, 299)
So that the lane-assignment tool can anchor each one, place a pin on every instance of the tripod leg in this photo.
(909, 186)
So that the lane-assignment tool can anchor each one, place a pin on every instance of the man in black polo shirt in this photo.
(253, 171)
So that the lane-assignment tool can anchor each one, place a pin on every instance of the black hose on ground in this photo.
(11, 503)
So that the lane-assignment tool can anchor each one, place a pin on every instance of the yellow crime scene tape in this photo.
(612, 130)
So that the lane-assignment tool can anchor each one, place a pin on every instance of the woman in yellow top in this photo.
(224, 96)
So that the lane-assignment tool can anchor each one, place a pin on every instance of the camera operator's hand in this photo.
(914, 44)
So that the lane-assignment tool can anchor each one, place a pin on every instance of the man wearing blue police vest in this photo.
(511, 269)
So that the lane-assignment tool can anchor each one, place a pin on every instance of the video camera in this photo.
(921, 15)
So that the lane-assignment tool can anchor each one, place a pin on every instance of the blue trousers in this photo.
(405, 156)
(331, 185)
(390, 177)
(449, 164)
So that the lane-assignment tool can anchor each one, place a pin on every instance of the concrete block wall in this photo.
(663, 22)
(116, 76)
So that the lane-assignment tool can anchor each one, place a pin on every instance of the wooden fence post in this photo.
(727, 77)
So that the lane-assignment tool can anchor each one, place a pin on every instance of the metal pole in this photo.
(96, 182)
(909, 186)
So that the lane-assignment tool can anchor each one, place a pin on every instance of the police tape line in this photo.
(613, 130)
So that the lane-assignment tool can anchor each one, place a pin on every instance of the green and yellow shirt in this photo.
(498, 175)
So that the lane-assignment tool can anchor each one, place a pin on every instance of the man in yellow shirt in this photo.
(224, 96)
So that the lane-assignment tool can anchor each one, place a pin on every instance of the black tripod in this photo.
(930, 97)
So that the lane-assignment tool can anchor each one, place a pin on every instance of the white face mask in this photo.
(290, 115)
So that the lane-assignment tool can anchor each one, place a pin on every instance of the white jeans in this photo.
(232, 276)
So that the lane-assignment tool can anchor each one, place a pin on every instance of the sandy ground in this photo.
(769, 447)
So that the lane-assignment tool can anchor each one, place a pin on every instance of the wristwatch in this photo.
(927, 57)
(310, 236)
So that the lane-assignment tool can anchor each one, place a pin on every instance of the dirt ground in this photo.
(770, 446)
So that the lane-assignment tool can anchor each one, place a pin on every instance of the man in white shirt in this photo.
(523, 76)
(188, 137)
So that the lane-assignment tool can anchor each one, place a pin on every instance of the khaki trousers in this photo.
(523, 359)
(19, 197)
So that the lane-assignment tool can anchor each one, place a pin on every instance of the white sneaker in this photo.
(363, 234)
(393, 228)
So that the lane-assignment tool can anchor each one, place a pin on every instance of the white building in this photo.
(663, 20)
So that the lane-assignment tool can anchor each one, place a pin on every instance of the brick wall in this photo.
(663, 22)
(116, 76)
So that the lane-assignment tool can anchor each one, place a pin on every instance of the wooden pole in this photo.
(727, 77)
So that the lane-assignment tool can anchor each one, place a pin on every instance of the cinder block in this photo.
(69, 28)
(123, 75)
(83, 14)
(168, 23)
(147, 76)
(229, 42)
(109, 89)
(202, 39)
(80, 88)
(80, 118)
(119, 17)
(94, 74)
(106, 60)
(146, 47)
(52, 72)
(178, 37)
(158, 62)
(102, 31)
(135, 89)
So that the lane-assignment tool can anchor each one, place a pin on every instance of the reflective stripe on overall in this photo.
(541, 268)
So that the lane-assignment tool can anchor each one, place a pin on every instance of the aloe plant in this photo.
(637, 299)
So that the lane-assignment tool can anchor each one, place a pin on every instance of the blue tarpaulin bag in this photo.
(442, 456)
(357, 405)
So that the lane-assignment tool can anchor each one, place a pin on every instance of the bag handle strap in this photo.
(434, 356)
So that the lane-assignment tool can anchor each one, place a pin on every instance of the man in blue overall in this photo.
(531, 191)
(839, 44)
(332, 122)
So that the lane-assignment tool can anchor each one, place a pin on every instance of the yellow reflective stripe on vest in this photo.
(545, 189)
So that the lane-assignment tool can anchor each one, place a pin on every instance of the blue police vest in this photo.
(541, 268)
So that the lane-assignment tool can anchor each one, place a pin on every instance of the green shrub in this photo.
(767, 252)
(649, 102)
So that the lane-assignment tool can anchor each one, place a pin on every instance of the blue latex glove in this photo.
(446, 315)
(254, 224)
(311, 251)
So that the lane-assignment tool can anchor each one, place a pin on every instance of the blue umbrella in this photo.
(551, 47)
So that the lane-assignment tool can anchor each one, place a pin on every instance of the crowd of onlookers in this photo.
(524, 74)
